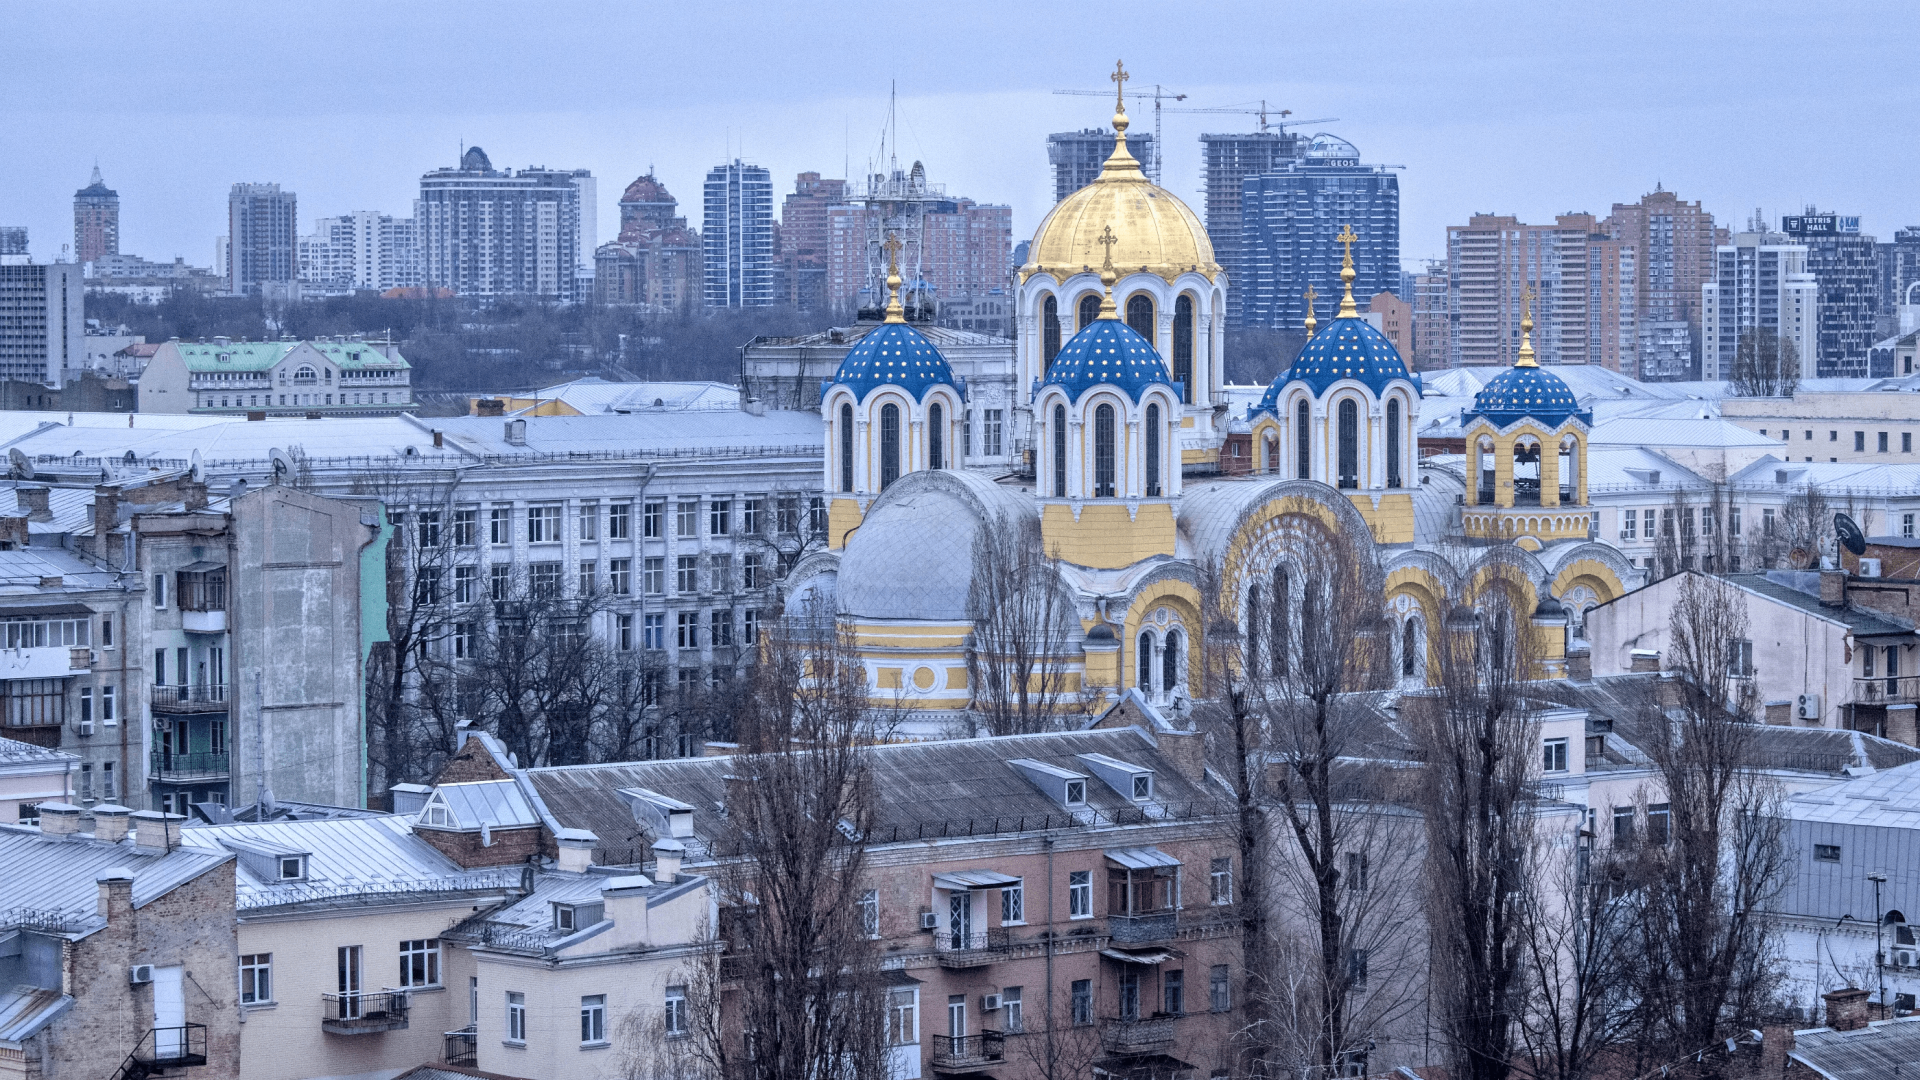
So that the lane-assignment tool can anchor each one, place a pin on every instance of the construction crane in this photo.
(1158, 93)
(1247, 109)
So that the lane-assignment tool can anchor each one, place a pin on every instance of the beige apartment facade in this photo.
(1873, 426)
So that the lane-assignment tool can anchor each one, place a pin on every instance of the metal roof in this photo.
(497, 804)
(347, 859)
(961, 880)
(1888, 799)
(1141, 858)
(24, 1010)
(60, 874)
(1782, 586)
(1882, 1049)
(15, 752)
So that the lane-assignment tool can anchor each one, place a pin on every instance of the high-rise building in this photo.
(1575, 273)
(1431, 321)
(1226, 161)
(1290, 221)
(491, 232)
(1761, 282)
(42, 321)
(1396, 320)
(1613, 314)
(655, 262)
(953, 250)
(1673, 241)
(362, 250)
(737, 236)
(1077, 156)
(1900, 270)
(96, 221)
(263, 243)
(1846, 264)
(805, 238)
(13, 239)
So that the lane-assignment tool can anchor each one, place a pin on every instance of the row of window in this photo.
(544, 524)
(903, 1026)
(1881, 439)
(691, 630)
(593, 1017)
(1104, 451)
(208, 401)
(419, 967)
(544, 579)
(1140, 318)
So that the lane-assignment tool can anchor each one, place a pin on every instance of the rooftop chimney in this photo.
(1833, 588)
(517, 432)
(489, 406)
(59, 819)
(1645, 660)
(666, 860)
(576, 850)
(116, 892)
(1846, 1009)
(34, 501)
(110, 822)
(156, 832)
(409, 798)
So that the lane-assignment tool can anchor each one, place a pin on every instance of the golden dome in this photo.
(1157, 232)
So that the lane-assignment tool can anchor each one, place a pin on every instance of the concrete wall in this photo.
(164, 383)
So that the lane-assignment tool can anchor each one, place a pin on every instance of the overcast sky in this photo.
(1527, 108)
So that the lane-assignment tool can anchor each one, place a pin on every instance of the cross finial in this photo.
(1525, 359)
(1312, 322)
(1107, 240)
(1108, 275)
(1119, 78)
(1347, 238)
(895, 312)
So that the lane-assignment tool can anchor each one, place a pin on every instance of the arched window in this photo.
(1103, 452)
(936, 436)
(1144, 664)
(1140, 314)
(1569, 470)
(1303, 442)
(1059, 451)
(1183, 346)
(305, 374)
(846, 448)
(1410, 647)
(1393, 443)
(1089, 310)
(1483, 492)
(1256, 626)
(1170, 662)
(889, 444)
(1153, 450)
(1279, 645)
(1349, 444)
(1049, 332)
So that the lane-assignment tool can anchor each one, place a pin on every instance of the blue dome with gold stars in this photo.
(894, 354)
(1349, 348)
(1527, 392)
(1111, 353)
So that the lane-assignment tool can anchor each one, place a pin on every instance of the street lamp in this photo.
(1879, 955)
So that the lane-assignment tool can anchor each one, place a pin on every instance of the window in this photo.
(108, 717)
(1183, 346)
(420, 962)
(464, 522)
(686, 574)
(256, 978)
(500, 525)
(620, 576)
(1010, 1006)
(427, 529)
(1059, 451)
(1220, 881)
(719, 517)
(1555, 757)
(1766, 521)
(86, 705)
(676, 1012)
(936, 436)
(1082, 1002)
(750, 571)
(292, 868)
(687, 626)
(1859, 442)
(1013, 904)
(720, 628)
(1142, 786)
(86, 782)
(1349, 443)
(752, 517)
(1302, 455)
(1049, 332)
(1883, 442)
(1076, 793)
(623, 632)
(1103, 452)
(869, 904)
(816, 515)
(652, 519)
(903, 1027)
(1219, 989)
(786, 512)
(1153, 450)
(499, 581)
(654, 632)
(686, 518)
(159, 590)
(1826, 852)
(1173, 993)
(543, 580)
(1140, 315)
(463, 640)
(1393, 444)
(35, 702)
(991, 423)
(1080, 894)
(1357, 969)
(586, 577)
(106, 632)
(1356, 871)
(1733, 521)
(516, 1017)
(1659, 818)
(107, 790)
(654, 576)
(463, 584)
(1906, 526)
(720, 573)
(846, 448)
(1740, 658)
(1144, 667)
(1089, 310)
(1623, 825)
(593, 1020)
(889, 444)
(966, 433)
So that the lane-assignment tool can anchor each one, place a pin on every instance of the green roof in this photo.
(359, 354)
(263, 355)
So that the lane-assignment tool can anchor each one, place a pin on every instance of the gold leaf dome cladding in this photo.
(1155, 229)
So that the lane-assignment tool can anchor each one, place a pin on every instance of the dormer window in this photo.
(563, 918)
(1142, 787)
(306, 374)
(1076, 793)
(293, 868)
(436, 813)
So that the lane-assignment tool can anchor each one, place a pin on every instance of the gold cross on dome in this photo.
(893, 247)
(1107, 240)
(1119, 78)
(1348, 238)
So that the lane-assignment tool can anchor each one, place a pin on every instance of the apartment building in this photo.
(1076, 157)
(362, 250)
(1581, 282)
(324, 377)
(42, 321)
(1761, 284)
(737, 236)
(96, 220)
(262, 242)
(1845, 264)
(497, 232)
(1290, 219)
(1226, 161)
(655, 262)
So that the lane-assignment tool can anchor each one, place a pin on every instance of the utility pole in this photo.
(1879, 955)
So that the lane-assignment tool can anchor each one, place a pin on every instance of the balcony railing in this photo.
(1149, 1036)
(188, 699)
(167, 765)
(1887, 688)
(163, 1049)
(462, 1047)
(969, 1051)
(1142, 929)
(971, 950)
(364, 1013)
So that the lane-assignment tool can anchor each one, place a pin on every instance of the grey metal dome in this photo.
(912, 557)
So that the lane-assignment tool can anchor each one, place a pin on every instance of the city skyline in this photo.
(1485, 119)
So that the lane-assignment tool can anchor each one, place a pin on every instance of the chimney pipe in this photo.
(576, 850)
(666, 860)
(110, 822)
(1846, 1009)
(116, 892)
(59, 818)
(1833, 588)
(156, 832)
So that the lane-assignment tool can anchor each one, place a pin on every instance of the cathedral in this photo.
(1138, 474)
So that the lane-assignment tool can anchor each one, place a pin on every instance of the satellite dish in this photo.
(282, 464)
(22, 468)
(1851, 537)
(199, 470)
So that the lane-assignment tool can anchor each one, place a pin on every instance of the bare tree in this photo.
(1477, 737)
(1063, 1049)
(689, 1046)
(1708, 959)
(1021, 619)
(1582, 940)
(1762, 367)
(1806, 526)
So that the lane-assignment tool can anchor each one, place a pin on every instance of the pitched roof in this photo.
(15, 752)
(59, 876)
(348, 860)
(1888, 799)
(1882, 1049)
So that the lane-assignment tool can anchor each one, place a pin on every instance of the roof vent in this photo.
(516, 432)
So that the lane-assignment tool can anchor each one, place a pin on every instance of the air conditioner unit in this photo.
(989, 1002)
(1869, 567)
(86, 727)
(929, 921)
(140, 973)
(1807, 707)
(1903, 958)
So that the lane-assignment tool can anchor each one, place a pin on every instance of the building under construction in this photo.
(1226, 162)
(1078, 156)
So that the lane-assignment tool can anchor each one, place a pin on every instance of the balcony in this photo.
(966, 1053)
(204, 622)
(1888, 689)
(169, 766)
(462, 1047)
(1147, 929)
(163, 1049)
(206, 698)
(364, 1013)
(971, 950)
(1149, 1036)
